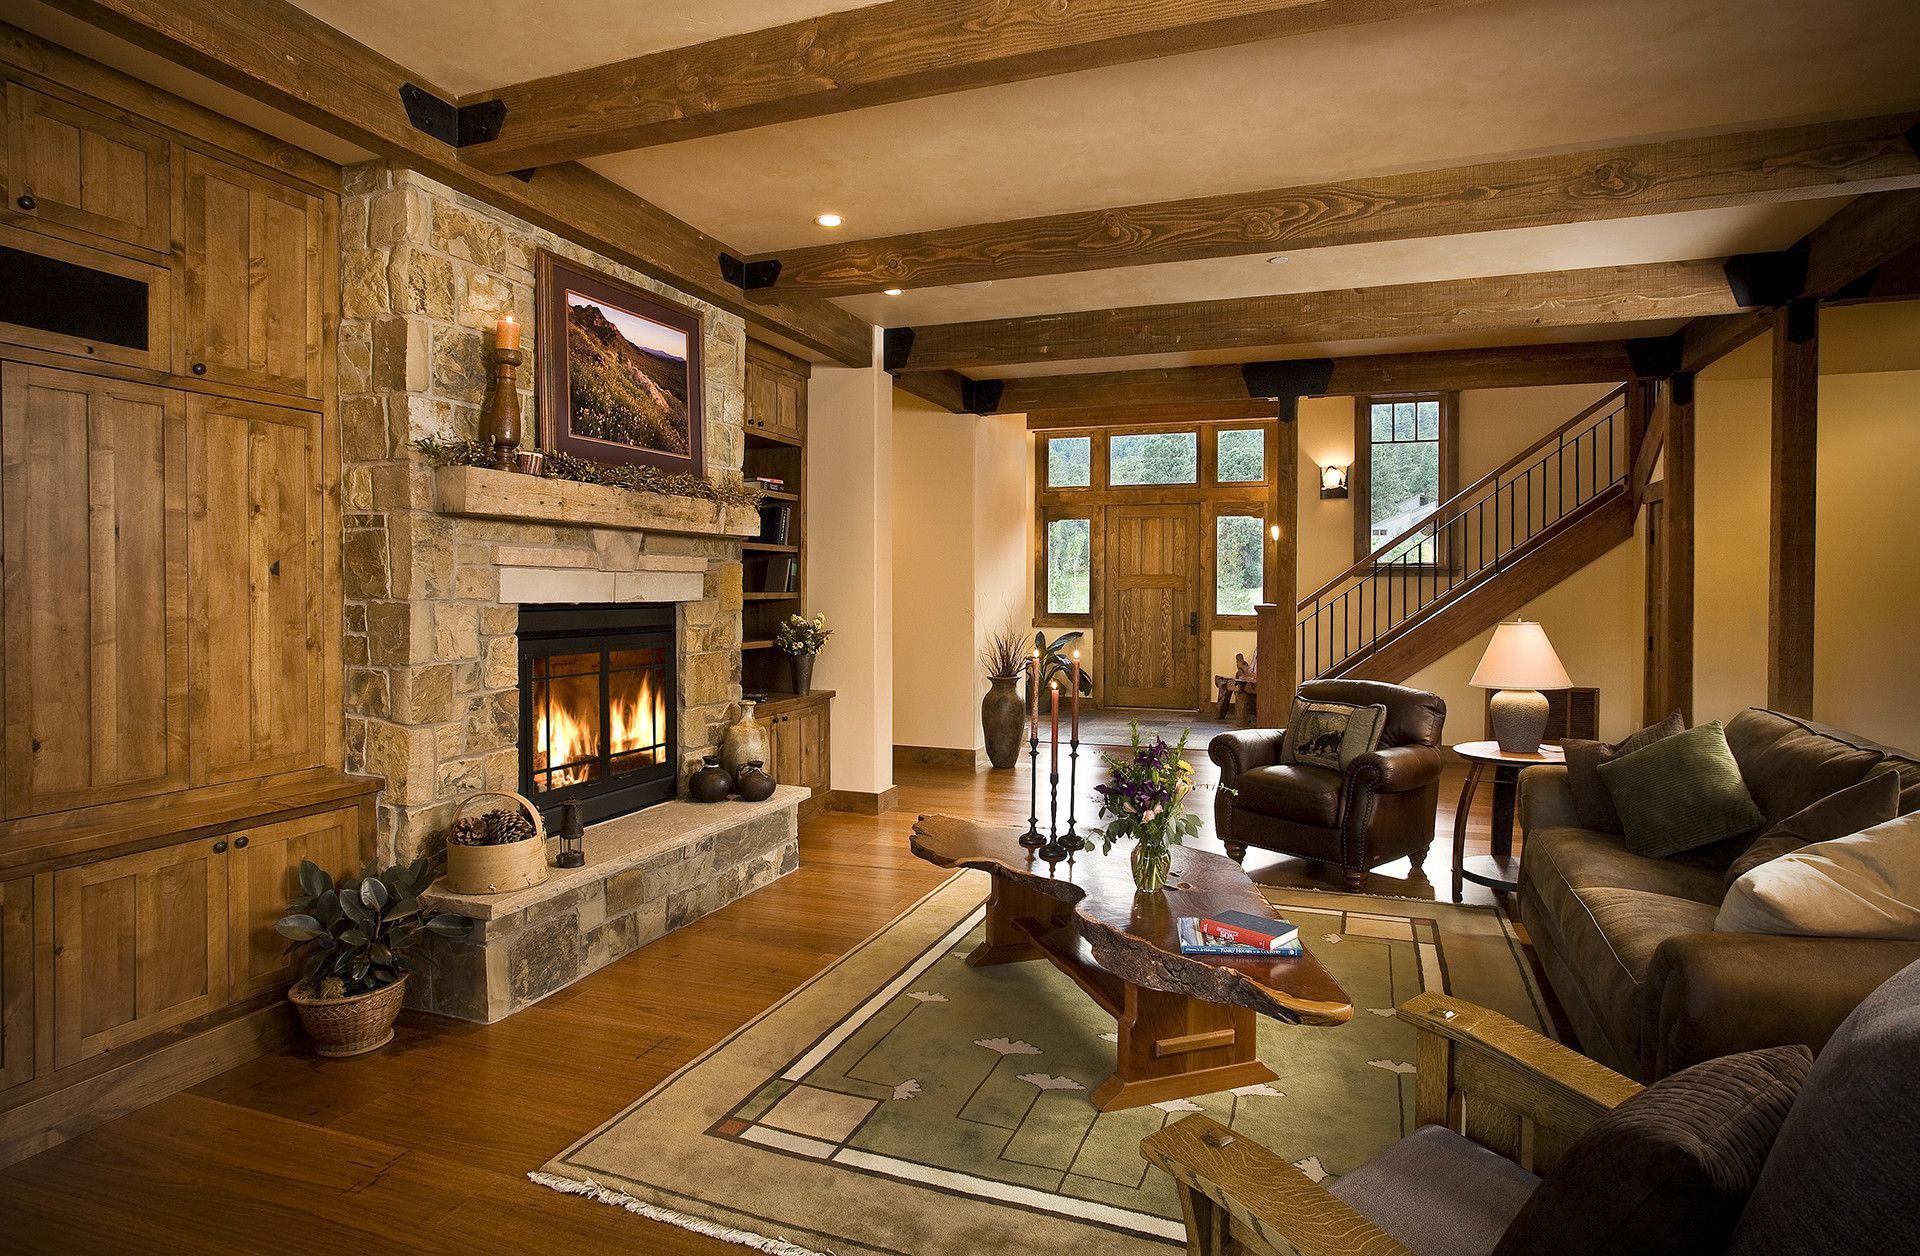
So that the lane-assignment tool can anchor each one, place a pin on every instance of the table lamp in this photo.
(1519, 662)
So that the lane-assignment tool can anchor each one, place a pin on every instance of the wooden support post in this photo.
(1275, 623)
(1677, 537)
(1796, 382)
(1640, 403)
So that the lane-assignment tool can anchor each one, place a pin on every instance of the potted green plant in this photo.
(1003, 716)
(801, 639)
(359, 940)
(1145, 799)
(1056, 664)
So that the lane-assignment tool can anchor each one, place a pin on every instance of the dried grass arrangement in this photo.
(634, 477)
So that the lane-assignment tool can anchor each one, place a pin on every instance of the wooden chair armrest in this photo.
(1502, 1064)
(1228, 1179)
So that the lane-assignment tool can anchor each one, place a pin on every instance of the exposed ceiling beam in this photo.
(1786, 163)
(1494, 304)
(1598, 362)
(902, 50)
(276, 53)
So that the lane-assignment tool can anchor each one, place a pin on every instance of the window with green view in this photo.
(1069, 567)
(1153, 458)
(1070, 462)
(1242, 456)
(1403, 468)
(1239, 564)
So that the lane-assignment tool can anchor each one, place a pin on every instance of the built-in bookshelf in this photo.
(774, 564)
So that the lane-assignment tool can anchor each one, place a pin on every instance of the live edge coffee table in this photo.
(1186, 1024)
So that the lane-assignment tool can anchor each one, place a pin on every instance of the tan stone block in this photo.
(420, 283)
(422, 551)
(462, 777)
(353, 222)
(429, 416)
(423, 695)
(709, 678)
(363, 284)
(699, 614)
(456, 632)
(356, 359)
(398, 633)
(397, 216)
(497, 620)
(541, 556)
(459, 367)
(355, 618)
(404, 755)
(364, 435)
(413, 831)
(399, 355)
(484, 299)
(362, 178)
(500, 664)
(618, 550)
(367, 692)
(392, 486)
(449, 741)
(368, 572)
(475, 581)
(465, 234)
(353, 651)
(493, 721)
(503, 769)
(356, 488)
(723, 582)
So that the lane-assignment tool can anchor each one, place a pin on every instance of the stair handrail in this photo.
(1458, 503)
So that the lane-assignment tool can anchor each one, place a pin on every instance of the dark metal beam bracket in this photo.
(1303, 377)
(749, 276)
(1776, 278)
(981, 396)
(456, 125)
(897, 347)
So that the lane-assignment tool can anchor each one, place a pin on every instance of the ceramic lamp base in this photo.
(1519, 720)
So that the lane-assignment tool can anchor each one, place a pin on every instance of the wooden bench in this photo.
(1242, 686)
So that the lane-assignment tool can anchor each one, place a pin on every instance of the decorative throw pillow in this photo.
(1680, 793)
(1866, 885)
(1667, 1172)
(1591, 801)
(1875, 800)
(1331, 734)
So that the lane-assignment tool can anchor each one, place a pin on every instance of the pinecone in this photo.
(505, 826)
(468, 831)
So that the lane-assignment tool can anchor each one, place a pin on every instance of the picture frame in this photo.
(621, 370)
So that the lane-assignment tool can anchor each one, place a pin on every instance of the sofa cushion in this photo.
(1331, 734)
(1873, 801)
(1293, 791)
(1610, 937)
(1590, 796)
(1438, 1193)
(1866, 885)
(1790, 763)
(1681, 793)
(1667, 1172)
(1561, 861)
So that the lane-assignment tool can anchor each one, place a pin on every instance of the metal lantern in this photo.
(572, 851)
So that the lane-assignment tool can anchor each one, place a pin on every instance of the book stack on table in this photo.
(1238, 933)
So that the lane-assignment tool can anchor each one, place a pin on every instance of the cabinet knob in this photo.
(27, 203)
(199, 368)
(220, 847)
(240, 843)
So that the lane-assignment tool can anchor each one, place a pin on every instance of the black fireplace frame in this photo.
(584, 628)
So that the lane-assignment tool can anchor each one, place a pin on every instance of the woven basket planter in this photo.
(498, 869)
(354, 1025)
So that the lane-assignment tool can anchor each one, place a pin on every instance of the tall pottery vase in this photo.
(1003, 718)
(803, 674)
(744, 742)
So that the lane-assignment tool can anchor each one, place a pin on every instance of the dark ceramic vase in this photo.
(803, 674)
(711, 783)
(1003, 717)
(754, 783)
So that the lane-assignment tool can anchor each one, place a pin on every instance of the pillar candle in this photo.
(1074, 688)
(507, 335)
(1054, 686)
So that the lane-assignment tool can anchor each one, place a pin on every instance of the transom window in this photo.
(1241, 456)
(1070, 462)
(1153, 458)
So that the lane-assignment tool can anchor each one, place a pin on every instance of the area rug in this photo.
(901, 1102)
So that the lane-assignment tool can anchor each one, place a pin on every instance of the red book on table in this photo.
(1246, 929)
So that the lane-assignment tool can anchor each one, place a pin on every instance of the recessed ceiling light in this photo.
(893, 292)
(829, 220)
(1278, 259)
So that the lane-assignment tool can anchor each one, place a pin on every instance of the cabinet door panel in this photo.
(251, 284)
(263, 875)
(16, 981)
(813, 747)
(789, 404)
(258, 513)
(140, 945)
(86, 172)
(94, 501)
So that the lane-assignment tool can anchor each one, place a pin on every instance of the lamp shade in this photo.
(1520, 657)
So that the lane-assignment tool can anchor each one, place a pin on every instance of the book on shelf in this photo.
(1196, 940)
(772, 483)
(775, 521)
(1239, 928)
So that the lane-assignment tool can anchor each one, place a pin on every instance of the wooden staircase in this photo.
(1480, 556)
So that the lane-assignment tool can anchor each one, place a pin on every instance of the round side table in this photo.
(1499, 870)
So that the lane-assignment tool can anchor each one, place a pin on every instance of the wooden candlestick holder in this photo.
(500, 416)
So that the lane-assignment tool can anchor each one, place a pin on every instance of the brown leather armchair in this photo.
(1380, 809)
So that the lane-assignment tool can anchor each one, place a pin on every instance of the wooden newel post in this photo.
(1274, 618)
(500, 416)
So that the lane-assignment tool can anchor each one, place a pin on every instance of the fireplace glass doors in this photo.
(597, 708)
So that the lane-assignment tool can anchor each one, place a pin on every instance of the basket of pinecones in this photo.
(498, 849)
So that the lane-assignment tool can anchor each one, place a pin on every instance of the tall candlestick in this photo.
(1074, 686)
(1054, 686)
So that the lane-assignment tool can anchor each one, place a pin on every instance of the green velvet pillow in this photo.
(1680, 793)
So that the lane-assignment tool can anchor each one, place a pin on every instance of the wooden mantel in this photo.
(484, 493)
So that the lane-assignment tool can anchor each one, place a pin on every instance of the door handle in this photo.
(1193, 623)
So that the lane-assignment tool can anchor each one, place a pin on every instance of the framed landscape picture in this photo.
(620, 371)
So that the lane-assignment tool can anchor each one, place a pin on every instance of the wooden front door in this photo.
(1151, 608)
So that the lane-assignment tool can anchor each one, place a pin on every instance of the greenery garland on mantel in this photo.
(732, 491)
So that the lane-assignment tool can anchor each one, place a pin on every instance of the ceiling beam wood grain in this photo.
(880, 54)
(1493, 304)
(284, 57)
(1787, 163)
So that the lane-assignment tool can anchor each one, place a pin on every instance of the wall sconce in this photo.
(1333, 481)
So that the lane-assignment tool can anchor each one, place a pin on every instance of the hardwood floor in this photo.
(424, 1147)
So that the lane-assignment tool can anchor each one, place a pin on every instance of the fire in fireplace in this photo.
(597, 708)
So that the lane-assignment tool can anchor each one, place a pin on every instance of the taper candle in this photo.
(1054, 686)
(1074, 688)
(1033, 691)
(507, 334)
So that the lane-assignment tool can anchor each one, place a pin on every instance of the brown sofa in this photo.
(1628, 942)
(1380, 809)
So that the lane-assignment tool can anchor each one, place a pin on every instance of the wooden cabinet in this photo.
(776, 393)
(799, 743)
(73, 168)
(16, 981)
(263, 876)
(256, 580)
(93, 476)
(140, 944)
(250, 282)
